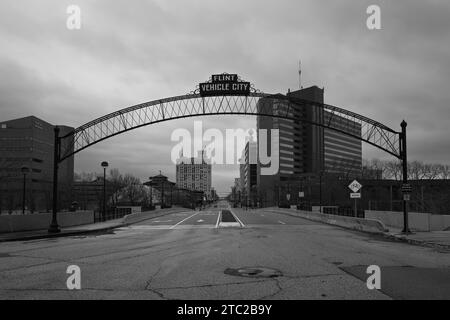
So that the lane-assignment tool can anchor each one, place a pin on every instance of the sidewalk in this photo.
(69, 231)
(87, 228)
(435, 239)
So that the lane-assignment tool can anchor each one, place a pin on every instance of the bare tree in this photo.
(134, 190)
(417, 170)
(116, 183)
(393, 170)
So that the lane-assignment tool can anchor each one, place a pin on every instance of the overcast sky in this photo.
(128, 52)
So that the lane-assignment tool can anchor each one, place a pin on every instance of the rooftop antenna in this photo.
(300, 74)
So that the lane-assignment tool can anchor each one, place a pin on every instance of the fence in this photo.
(111, 214)
(344, 211)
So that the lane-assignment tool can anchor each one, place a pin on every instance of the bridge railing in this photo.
(111, 214)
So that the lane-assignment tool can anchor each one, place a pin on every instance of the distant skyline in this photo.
(130, 52)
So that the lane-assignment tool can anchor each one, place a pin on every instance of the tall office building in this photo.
(342, 153)
(248, 172)
(194, 174)
(305, 149)
(300, 143)
(26, 151)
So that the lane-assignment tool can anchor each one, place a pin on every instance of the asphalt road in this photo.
(191, 255)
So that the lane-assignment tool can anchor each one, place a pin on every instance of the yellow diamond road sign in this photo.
(355, 186)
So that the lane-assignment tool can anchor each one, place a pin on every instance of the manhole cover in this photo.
(254, 272)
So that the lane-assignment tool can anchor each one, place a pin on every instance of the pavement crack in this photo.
(279, 289)
(211, 285)
(155, 290)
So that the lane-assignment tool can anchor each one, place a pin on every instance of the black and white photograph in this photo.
(219, 158)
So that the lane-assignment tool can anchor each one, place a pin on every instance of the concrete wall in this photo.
(141, 216)
(366, 225)
(41, 221)
(417, 221)
(135, 209)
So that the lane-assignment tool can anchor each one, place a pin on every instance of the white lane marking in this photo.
(198, 226)
(165, 227)
(201, 220)
(242, 225)
(157, 221)
(184, 220)
(218, 219)
(281, 222)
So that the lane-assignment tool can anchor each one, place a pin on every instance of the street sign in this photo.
(406, 188)
(301, 194)
(355, 186)
(406, 196)
(224, 84)
(355, 195)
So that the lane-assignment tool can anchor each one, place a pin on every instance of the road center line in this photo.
(184, 220)
(281, 222)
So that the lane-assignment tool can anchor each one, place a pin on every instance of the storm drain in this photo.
(254, 272)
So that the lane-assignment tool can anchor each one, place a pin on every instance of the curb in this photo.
(60, 234)
(77, 232)
(421, 243)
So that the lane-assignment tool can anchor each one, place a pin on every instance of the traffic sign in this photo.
(355, 186)
(355, 195)
(406, 188)
(406, 196)
(288, 196)
(301, 194)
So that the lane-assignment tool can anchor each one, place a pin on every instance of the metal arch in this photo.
(191, 105)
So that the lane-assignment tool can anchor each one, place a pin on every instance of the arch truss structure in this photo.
(254, 104)
(237, 98)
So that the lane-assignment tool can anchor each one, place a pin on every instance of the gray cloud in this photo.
(130, 52)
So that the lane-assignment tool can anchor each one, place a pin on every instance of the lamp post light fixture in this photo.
(24, 170)
(104, 164)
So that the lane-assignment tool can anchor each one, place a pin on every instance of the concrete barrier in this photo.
(134, 209)
(145, 215)
(366, 225)
(417, 221)
(41, 221)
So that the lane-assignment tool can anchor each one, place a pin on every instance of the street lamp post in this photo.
(104, 164)
(54, 228)
(24, 170)
(320, 191)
